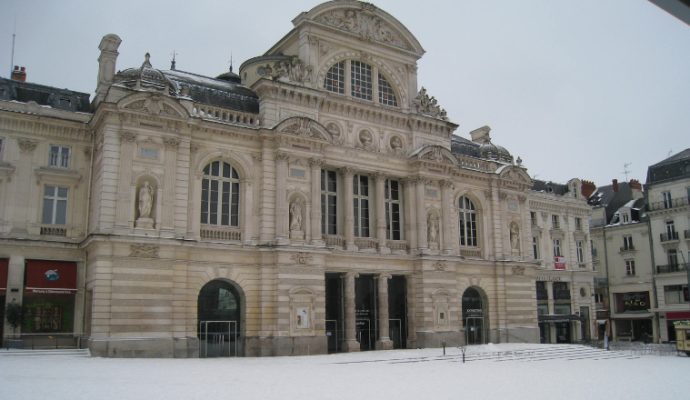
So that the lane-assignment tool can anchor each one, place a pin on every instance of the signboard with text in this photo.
(559, 262)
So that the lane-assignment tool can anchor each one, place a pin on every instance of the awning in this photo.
(4, 263)
(678, 315)
(51, 277)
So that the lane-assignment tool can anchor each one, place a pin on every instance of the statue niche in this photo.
(145, 202)
(297, 219)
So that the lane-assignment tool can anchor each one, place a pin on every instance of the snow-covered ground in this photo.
(506, 371)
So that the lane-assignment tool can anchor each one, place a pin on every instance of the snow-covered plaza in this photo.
(514, 371)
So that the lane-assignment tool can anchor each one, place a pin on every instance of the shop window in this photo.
(48, 313)
(220, 195)
(59, 156)
(561, 309)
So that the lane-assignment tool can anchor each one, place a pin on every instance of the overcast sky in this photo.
(575, 88)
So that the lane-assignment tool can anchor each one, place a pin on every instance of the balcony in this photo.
(363, 243)
(671, 268)
(334, 240)
(53, 230)
(669, 204)
(218, 233)
(668, 236)
(627, 248)
(397, 245)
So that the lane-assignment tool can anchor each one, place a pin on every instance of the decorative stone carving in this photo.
(518, 270)
(295, 216)
(126, 136)
(301, 258)
(396, 144)
(303, 127)
(366, 26)
(289, 70)
(432, 230)
(143, 250)
(171, 142)
(366, 140)
(27, 145)
(334, 130)
(429, 105)
(439, 266)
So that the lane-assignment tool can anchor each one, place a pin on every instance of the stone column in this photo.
(380, 200)
(384, 342)
(410, 214)
(351, 344)
(349, 233)
(126, 192)
(315, 216)
(281, 213)
(447, 216)
(422, 244)
(550, 304)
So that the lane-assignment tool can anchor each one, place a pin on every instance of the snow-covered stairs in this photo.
(45, 352)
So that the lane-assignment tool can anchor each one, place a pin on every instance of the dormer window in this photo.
(360, 80)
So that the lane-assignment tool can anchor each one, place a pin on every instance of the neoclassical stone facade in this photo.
(317, 201)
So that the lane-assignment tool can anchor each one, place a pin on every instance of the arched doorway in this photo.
(473, 314)
(219, 310)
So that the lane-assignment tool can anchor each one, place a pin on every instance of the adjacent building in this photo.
(668, 196)
(317, 201)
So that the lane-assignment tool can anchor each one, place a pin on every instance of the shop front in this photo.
(671, 318)
(48, 303)
(633, 319)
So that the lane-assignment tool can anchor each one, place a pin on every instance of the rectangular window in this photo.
(542, 294)
(578, 223)
(668, 203)
(535, 247)
(393, 210)
(2, 143)
(557, 248)
(580, 251)
(628, 243)
(561, 291)
(676, 294)
(671, 233)
(533, 218)
(630, 267)
(59, 156)
(626, 218)
(672, 257)
(54, 205)
(361, 205)
(555, 222)
(361, 80)
(329, 201)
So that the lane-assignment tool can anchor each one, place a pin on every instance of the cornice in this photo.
(34, 125)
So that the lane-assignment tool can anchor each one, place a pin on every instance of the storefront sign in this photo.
(546, 278)
(474, 312)
(559, 262)
(51, 277)
(3, 274)
(633, 301)
(675, 315)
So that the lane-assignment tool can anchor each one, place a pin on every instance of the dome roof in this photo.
(229, 76)
(146, 77)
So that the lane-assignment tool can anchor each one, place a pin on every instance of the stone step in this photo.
(45, 352)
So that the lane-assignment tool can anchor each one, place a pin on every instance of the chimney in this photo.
(106, 64)
(588, 188)
(636, 188)
(19, 74)
(481, 135)
(615, 185)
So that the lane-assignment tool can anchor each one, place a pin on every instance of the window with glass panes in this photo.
(630, 267)
(220, 195)
(557, 248)
(393, 210)
(58, 156)
(360, 190)
(360, 80)
(467, 224)
(54, 205)
(579, 246)
(335, 78)
(329, 201)
(386, 94)
(668, 202)
(535, 247)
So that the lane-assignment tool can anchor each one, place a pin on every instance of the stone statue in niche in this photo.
(432, 231)
(515, 238)
(296, 223)
(145, 205)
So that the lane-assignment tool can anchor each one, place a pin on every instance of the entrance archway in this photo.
(219, 311)
(474, 313)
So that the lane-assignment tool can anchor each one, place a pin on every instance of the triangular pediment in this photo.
(154, 104)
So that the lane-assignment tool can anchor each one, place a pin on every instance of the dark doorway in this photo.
(562, 332)
(335, 313)
(2, 318)
(584, 323)
(365, 311)
(473, 316)
(219, 313)
(397, 311)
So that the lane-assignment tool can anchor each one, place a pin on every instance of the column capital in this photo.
(351, 274)
(379, 176)
(316, 162)
(445, 184)
(281, 156)
(347, 171)
(384, 276)
(127, 136)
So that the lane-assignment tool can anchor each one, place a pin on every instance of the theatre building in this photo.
(316, 201)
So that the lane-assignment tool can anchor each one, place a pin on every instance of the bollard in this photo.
(444, 347)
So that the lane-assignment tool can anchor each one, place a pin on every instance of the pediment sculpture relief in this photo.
(366, 26)
(289, 70)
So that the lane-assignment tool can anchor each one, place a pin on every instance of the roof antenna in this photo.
(230, 61)
(626, 171)
(172, 62)
(14, 35)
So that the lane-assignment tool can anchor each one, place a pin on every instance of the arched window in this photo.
(467, 223)
(220, 195)
(360, 80)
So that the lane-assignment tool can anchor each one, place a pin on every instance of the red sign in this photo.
(51, 277)
(678, 315)
(3, 273)
(559, 262)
